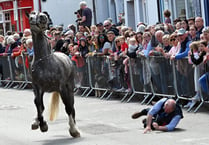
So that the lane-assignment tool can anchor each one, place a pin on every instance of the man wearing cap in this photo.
(100, 27)
(86, 15)
(108, 27)
(185, 42)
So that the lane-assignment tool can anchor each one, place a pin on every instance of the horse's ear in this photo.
(27, 14)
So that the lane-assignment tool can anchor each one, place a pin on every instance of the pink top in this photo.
(174, 50)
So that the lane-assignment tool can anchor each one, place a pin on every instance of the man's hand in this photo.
(155, 125)
(147, 129)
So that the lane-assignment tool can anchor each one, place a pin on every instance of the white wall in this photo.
(129, 14)
(152, 12)
(102, 10)
(62, 11)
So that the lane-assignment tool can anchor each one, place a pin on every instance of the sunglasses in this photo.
(106, 25)
(173, 39)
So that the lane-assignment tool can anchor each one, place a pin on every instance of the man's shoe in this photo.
(136, 115)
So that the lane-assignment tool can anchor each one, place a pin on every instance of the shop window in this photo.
(7, 17)
(194, 8)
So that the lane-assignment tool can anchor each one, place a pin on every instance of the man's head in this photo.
(100, 27)
(110, 36)
(199, 23)
(191, 21)
(81, 28)
(83, 4)
(107, 24)
(169, 106)
(159, 35)
(206, 33)
(182, 35)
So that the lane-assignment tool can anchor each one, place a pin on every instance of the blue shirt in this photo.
(183, 53)
(157, 107)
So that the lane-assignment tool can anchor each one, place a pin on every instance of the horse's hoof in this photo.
(44, 127)
(75, 134)
(35, 125)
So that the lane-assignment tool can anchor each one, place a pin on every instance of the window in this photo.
(7, 16)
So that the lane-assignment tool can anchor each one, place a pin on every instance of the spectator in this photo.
(100, 27)
(199, 24)
(175, 46)
(184, 24)
(167, 15)
(192, 33)
(191, 21)
(196, 55)
(93, 30)
(206, 34)
(92, 47)
(166, 43)
(102, 38)
(30, 50)
(185, 42)
(109, 47)
(27, 33)
(86, 15)
(2, 49)
(58, 41)
(108, 27)
(163, 116)
(83, 48)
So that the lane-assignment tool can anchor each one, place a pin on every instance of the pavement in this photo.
(101, 122)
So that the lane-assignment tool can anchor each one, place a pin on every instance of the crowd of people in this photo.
(184, 38)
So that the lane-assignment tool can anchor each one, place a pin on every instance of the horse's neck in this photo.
(41, 46)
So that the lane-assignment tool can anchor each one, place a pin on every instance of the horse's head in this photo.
(38, 22)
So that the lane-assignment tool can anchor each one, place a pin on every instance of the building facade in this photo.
(13, 15)
(151, 11)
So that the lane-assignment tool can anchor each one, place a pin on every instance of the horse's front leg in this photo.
(39, 121)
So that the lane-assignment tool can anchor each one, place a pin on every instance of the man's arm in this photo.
(149, 122)
(170, 127)
(154, 110)
(185, 53)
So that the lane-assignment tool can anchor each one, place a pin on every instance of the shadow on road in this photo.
(61, 140)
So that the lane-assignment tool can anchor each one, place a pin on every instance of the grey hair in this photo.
(29, 41)
(83, 3)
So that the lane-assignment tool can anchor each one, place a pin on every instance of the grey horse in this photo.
(51, 72)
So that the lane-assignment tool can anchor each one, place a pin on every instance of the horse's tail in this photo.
(54, 106)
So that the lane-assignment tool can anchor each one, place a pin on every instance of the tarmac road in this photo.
(101, 122)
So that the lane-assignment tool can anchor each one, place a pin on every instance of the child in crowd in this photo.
(79, 61)
(204, 79)
(124, 45)
(131, 53)
(166, 43)
(93, 30)
(196, 56)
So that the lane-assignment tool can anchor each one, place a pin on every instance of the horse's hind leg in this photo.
(39, 121)
(67, 96)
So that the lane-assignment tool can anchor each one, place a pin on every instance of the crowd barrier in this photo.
(148, 77)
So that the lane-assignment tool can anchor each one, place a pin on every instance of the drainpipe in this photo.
(94, 12)
(39, 6)
(15, 5)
